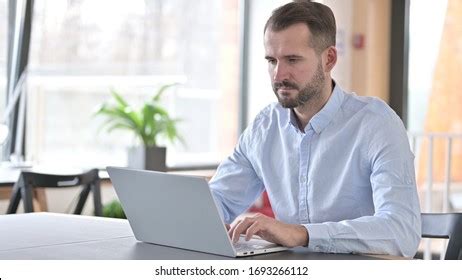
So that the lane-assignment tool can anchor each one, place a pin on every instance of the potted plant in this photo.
(114, 209)
(148, 122)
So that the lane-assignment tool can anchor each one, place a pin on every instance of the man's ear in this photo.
(330, 58)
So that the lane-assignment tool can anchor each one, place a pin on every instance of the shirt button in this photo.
(303, 180)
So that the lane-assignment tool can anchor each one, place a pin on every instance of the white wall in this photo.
(343, 12)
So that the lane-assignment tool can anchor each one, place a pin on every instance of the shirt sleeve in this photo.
(395, 228)
(235, 185)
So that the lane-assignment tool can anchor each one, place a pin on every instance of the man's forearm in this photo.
(301, 235)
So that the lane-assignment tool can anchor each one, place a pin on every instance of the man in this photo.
(337, 167)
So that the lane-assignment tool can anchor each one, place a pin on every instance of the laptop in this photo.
(178, 211)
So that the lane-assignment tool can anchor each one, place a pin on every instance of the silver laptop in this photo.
(178, 211)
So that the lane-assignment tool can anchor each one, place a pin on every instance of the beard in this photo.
(311, 91)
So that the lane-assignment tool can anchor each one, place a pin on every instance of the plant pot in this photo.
(152, 158)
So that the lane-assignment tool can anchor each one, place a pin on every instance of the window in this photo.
(81, 49)
(422, 49)
(3, 54)
(434, 92)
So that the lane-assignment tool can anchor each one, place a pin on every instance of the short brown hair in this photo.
(318, 17)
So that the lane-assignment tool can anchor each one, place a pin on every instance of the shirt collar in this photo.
(320, 121)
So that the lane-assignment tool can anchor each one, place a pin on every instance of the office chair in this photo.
(30, 180)
(446, 226)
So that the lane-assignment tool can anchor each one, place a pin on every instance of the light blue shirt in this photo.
(349, 178)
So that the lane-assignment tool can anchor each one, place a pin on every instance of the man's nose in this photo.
(280, 73)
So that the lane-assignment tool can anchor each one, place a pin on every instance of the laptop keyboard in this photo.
(241, 246)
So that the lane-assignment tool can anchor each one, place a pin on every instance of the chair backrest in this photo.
(35, 179)
(23, 189)
(447, 226)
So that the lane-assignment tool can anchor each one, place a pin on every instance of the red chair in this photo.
(262, 205)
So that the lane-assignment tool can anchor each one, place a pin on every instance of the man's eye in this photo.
(293, 60)
(272, 61)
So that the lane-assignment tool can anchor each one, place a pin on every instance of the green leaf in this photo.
(121, 115)
(114, 210)
(119, 126)
(119, 98)
(162, 90)
(147, 122)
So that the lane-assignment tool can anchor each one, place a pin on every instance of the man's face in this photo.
(295, 69)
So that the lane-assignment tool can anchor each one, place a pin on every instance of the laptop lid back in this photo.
(171, 210)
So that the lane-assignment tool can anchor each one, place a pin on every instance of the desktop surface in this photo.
(42, 236)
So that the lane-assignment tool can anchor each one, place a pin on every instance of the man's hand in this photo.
(269, 229)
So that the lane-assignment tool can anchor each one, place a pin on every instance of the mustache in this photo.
(285, 84)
